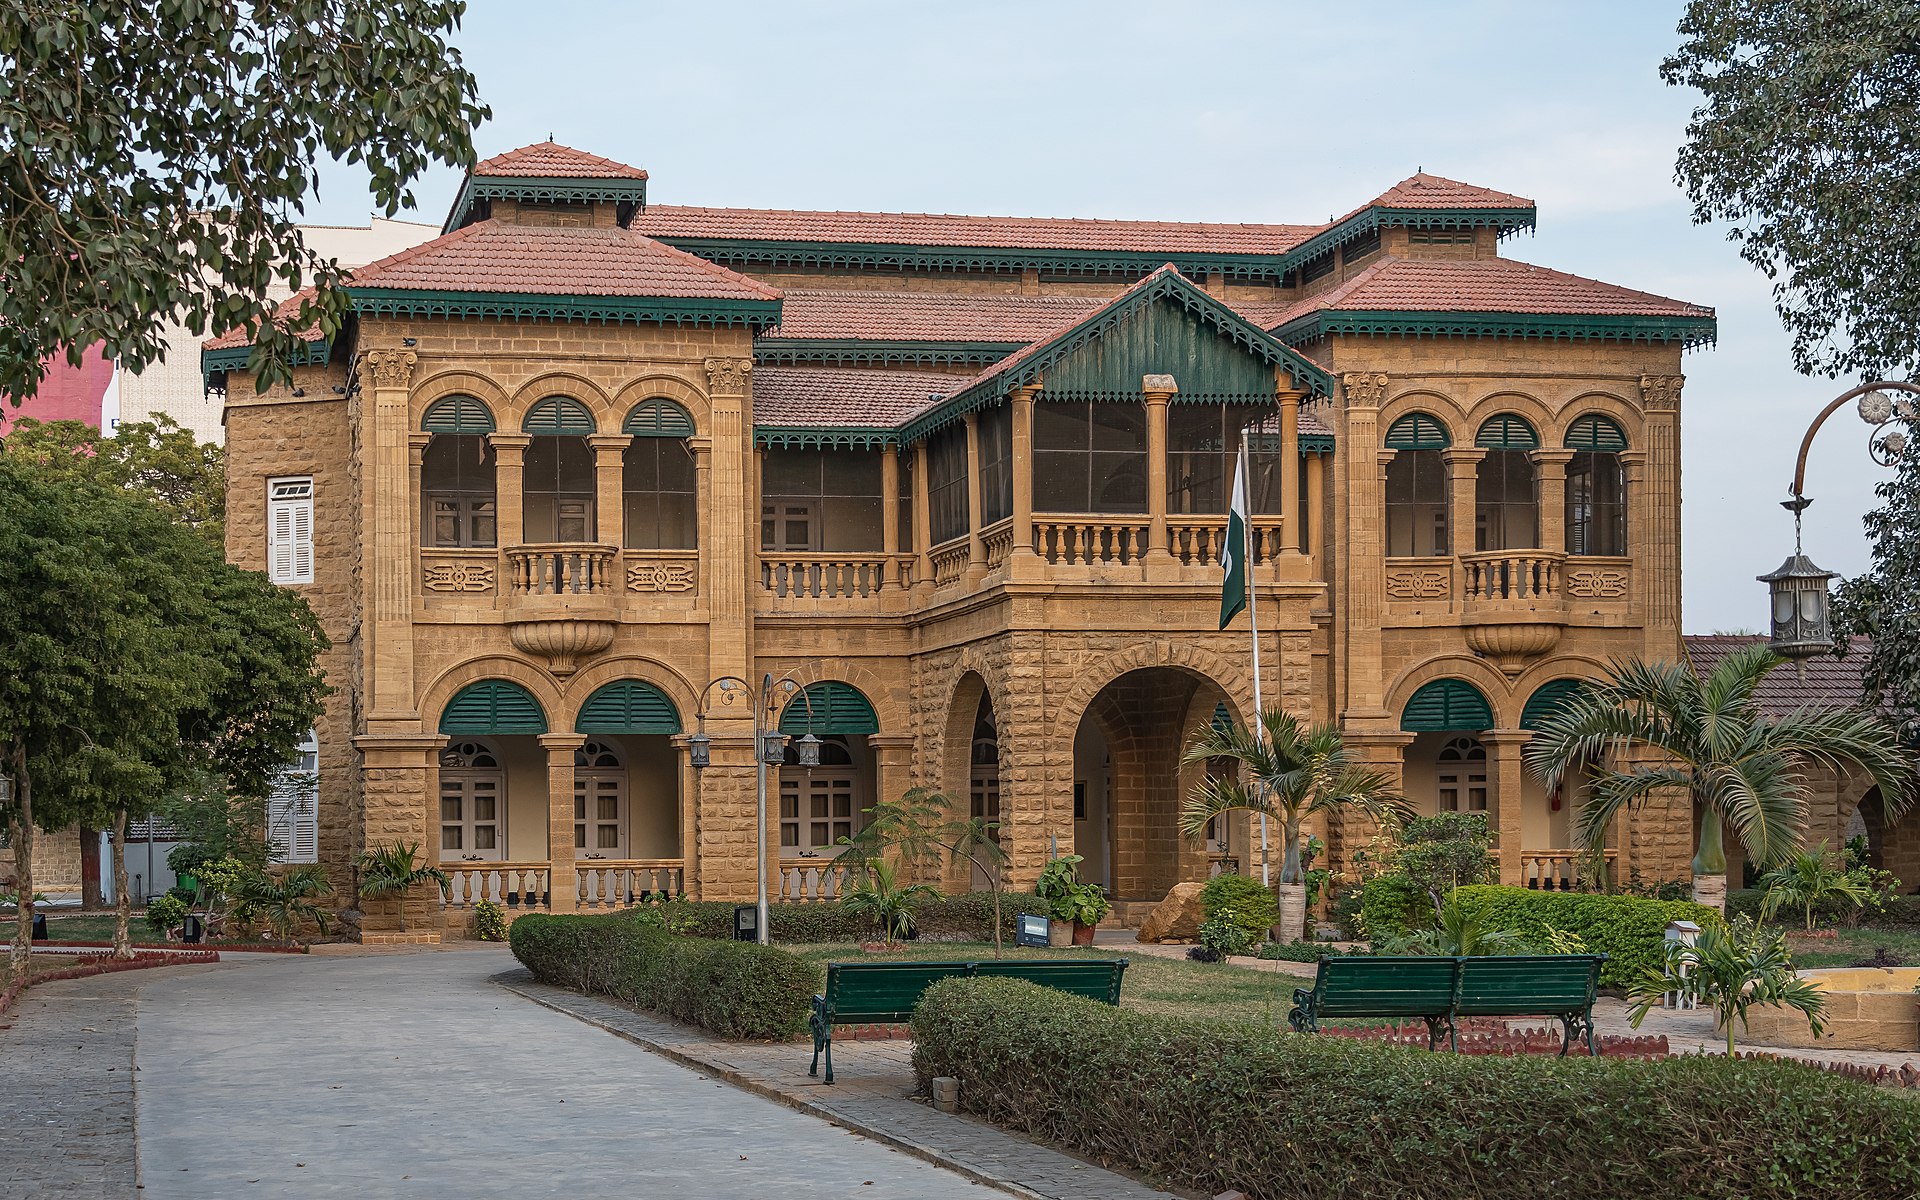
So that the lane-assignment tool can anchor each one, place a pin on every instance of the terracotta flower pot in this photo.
(1082, 934)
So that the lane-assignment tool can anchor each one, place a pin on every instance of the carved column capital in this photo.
(1661, 392)
(729, 375)
(1364, 389)
(390, 368)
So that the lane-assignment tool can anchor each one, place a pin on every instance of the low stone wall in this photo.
(1868, 1008)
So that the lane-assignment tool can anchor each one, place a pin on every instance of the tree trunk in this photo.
(1711, 890)
(22, 832)
(122, 902)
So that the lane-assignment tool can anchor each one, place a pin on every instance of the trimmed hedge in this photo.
(1393, 906)
(967, 917)
(1627, 929)
(1254, 904)
(1217, 1105)
(735, 989)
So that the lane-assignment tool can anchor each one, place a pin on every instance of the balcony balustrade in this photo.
(1559, 870)
(1083, 540)
(620, 883)
(563, 601)
(812, 881)
(813, 576)
(511, 885)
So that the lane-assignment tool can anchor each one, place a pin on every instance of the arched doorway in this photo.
(1128, 782)
(473, 802)
(599, 801)
(983, 781)
(628, 768)
(820, 805)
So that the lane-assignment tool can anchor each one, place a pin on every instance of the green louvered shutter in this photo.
(628, 706)
(1418, 431)
(493, 706)
(457, 414)
(1597, 433)
(556, 416)
(1507, 432)
(658, 418)
(1447, 704)
(1222, 719)
(1548, 699)
(837, 708)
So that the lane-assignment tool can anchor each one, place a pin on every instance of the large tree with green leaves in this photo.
(133, 658)
(1882, 604)
(156, 155)
(1710, 740)
(159, 460)
(1806, 144)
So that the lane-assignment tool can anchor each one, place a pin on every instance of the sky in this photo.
(1277, 111)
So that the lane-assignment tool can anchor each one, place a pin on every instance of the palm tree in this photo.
(1731, 970)
(1806, 879)
(883, 897)
(1710, 739)
(1289, 774)
(394, 870)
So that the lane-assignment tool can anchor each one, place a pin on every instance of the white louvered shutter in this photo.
(293, 808)
(290, 530)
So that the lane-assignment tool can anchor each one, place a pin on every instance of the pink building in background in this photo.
(89, 392)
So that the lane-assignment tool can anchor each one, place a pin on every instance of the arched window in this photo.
(657, 478)
(1506, 501)
(456, 475)
(557, 483)
(820, 805)
(473, 802)
(1089, 457)
(599, 801)
(1462, 775)
(1596, 488)
(1417, 487)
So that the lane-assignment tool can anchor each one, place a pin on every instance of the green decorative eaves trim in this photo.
(399, 302)
(1372, 220)
(542, 190)
(1316, 443)
(1688, 331)
(762, 254)
(836, 437)
(234, 358)
(775, 352)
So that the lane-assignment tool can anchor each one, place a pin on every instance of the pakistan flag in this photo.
(1233, 552)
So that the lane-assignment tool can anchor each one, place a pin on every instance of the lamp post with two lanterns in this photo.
(769, 749)
(1801, 627)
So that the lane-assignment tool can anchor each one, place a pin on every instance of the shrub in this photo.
(1393, 906)
(1629, 930)
(1215, 1105)
(1223, 934)
(166, 914)
(1445, 851)
(489, 922)
(1299, 951)
(967, 917)
(735, 989)
(1243, 901)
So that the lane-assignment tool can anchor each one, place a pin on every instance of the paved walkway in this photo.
(872, 1088)
(411, 1075)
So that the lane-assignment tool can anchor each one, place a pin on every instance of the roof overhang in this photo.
(547, 190)
(1689, 331)
(523, 306)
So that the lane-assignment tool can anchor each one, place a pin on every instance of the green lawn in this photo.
(1851, 946)
(1159, 985)
(95, 927)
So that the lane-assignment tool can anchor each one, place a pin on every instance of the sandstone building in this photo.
(964, 481)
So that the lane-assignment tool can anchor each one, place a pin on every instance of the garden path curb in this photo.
(581, 1007)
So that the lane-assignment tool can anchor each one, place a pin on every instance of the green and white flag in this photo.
(1233, 551)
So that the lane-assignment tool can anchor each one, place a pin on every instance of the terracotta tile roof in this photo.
(488, 256)
(550, 160)
(236, 338)
(843, 396)
(1827, 681)
(934, 229)
(1028, 351)
(1492, 285)
(1421, 190)
(924, 316)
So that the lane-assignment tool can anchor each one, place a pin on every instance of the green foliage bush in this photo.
(1393, 906)
(1243, 901)
(735, 989)
(1215, 1105)
(489, 922)
(1627, 929)
(964, 918)
(166, 913)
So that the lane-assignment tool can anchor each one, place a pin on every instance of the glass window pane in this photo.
(1121, 426)
(609, 837)
(1059, 482)
(483, 837)
(450, 837)
(1058, 426)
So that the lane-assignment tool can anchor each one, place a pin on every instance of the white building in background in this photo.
(174, 386)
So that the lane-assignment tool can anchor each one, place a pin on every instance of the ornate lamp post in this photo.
(769, 749)
(1800, 625)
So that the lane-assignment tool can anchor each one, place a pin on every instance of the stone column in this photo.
(1156, 391)
(509, 462)
(1362, 530)
(1023, 556)
(685, 779)
(391, 553)
(1657, 500)
(1640, 544)
(730, 542)
(560, 748)
(1289, 400)
(1509, 783)
(976, 545)
(1463, 482)
(1382, 750)
(893, 769)
(1550, 481)
(417, 442)
(609, 486)
(922, 522)
(703, 508)
(1316, 542)
(889, 513)
(399, 804)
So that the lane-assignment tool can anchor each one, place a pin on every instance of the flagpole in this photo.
(1253, 620)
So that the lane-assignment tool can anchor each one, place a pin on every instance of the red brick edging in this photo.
(94, 966)
(183, 948)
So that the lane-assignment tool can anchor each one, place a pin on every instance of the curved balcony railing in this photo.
(562, 569)
(1518, 576)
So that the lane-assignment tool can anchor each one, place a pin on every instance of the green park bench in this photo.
(865, 993)
(1560, 986)
(1380, 986)
(1440, 990)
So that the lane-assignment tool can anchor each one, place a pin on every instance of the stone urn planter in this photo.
(1059, 933)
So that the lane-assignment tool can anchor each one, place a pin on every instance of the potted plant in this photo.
(1056, 884)
(1085, 905)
